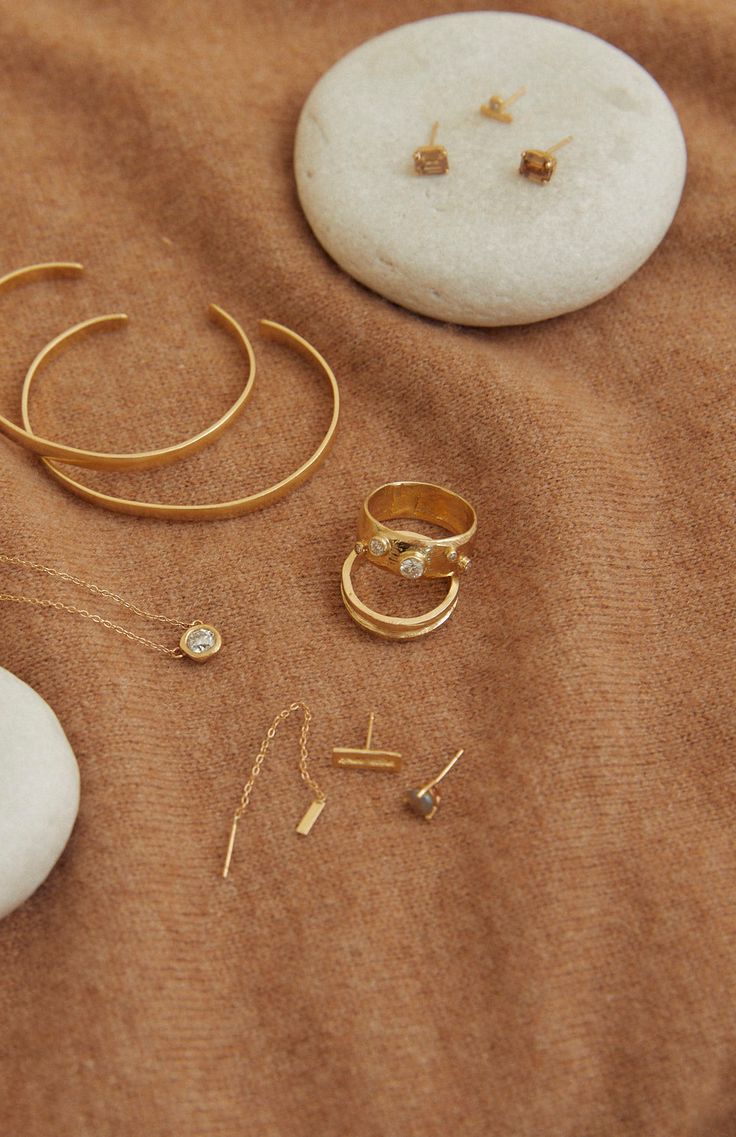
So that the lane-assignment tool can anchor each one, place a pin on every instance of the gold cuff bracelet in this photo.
(212, 510)
(93, 459)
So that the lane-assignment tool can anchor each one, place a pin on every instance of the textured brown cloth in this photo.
(555, 954)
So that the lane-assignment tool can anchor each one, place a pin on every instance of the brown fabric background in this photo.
(556, 953)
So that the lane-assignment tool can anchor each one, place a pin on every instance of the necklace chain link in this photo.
(307, 778)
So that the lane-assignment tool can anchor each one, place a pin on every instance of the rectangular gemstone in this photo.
(431, 160)
(537, 165)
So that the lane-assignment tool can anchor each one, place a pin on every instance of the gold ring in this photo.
(394, 627)
(221, 508)
(410, 554)
(98, 460)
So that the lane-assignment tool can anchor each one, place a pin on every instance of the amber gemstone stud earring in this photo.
(431, 159)
(425, 801)
(540, 165)
(497, 108)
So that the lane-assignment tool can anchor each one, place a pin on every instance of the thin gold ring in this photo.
(98, 460)
(411, 554)
(394, 627)
(222, 508)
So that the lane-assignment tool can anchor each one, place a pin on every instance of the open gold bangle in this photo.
(98, 460)
(223, 508)
(394, 627)
(410, 554)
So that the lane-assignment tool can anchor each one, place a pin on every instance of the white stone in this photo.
(200, 640)
(412, 567)
(378, 546)
(39, 791)
(482, 245)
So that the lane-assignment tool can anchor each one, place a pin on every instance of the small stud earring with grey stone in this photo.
(425, 800)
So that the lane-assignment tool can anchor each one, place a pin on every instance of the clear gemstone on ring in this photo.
(378, 546)
(452, 554)
(412, 567)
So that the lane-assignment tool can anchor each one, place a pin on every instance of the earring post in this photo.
(443, 773)
(230, 847)
(369, 735)
(512, 98)
(559, 145)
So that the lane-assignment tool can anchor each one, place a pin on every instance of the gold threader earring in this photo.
(319, 797)
(97, 460)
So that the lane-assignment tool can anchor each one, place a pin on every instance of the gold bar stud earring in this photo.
(431, 159)
(496, 107)
(364, 757)
(425, 801)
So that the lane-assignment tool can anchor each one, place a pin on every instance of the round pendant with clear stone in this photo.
(201, 642)
(412, 567)
(378, 546)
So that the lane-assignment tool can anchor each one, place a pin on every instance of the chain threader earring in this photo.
(320, 798)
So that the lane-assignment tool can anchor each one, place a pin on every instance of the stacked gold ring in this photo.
(413, 555)
(409, 554)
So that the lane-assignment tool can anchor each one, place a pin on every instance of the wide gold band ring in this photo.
(394, 627)
(409, 554)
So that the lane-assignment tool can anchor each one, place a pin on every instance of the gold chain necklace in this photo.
(199, 641)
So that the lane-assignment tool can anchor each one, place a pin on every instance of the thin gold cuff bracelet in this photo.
(216, 509)
(410, 554)
(93, 459)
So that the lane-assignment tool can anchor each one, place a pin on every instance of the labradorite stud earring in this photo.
(425, 800)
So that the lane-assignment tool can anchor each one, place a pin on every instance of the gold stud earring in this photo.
(425, 801)
(431, 159)
(540, 165)
(365, 758)
(318, 795)
(496, 107)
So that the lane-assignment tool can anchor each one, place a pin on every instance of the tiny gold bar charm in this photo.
(306, 823)
(230, 847)
(364, 757)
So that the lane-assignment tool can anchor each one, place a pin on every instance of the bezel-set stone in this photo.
(464, 563)
(412, 566)
(200, 642)
(452, 555)
(379, 546)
